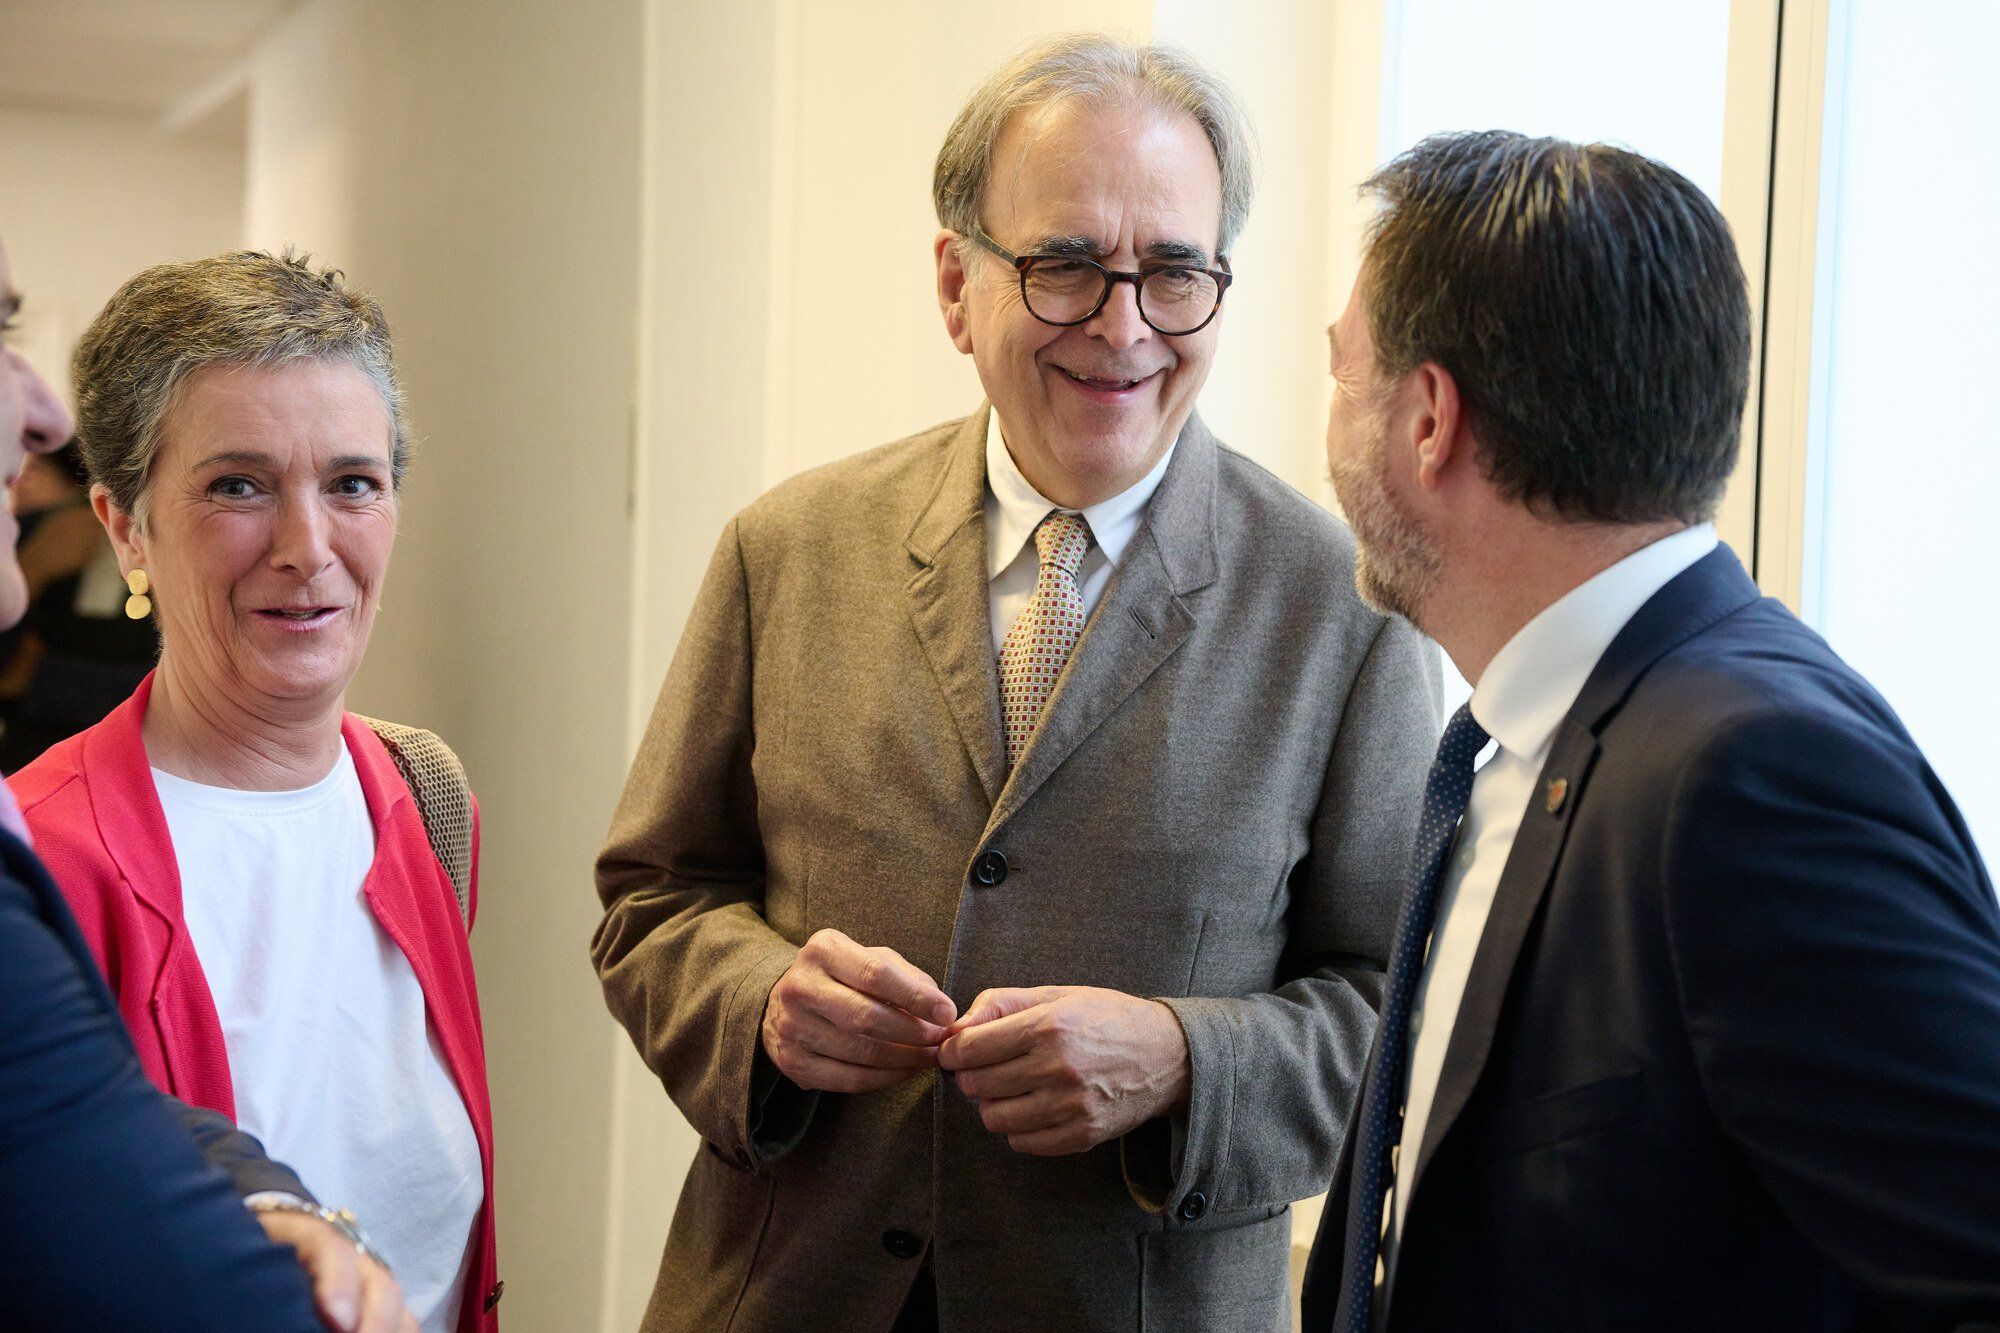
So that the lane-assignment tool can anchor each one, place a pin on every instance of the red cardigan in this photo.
(97, 823)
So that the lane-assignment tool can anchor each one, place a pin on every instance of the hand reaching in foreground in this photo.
(353, 1293)
(1061, 1069)
(845, 1018)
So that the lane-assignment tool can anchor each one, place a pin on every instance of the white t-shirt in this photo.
(335, 1067)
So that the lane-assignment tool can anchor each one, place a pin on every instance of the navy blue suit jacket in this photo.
(1729, 1054)
(110, 1218)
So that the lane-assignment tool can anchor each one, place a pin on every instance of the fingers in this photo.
(881, 974)
(1047, 1122)
(810, 1070)
(330, 1262)
(836, 1021)
(854, 1012)
(824, 1038)
(1009, 1078)
(336, 1281)
(993, 1042)
(999, 1003)
(801, 1010)
(352, 1294)
(1044, 1108)
(381, 1300)
(792, 1029)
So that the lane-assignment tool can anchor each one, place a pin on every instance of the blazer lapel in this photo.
(127, 807)
(1140, 621)
(1713, 587)
(130, 818)
(133, 825)
(1530, 867)
(948, 603)
(426, 927)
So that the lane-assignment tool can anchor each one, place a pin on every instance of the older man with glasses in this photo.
(1004, 884)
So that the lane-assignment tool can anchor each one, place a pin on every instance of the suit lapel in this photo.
(1139, 622)
(1523, 883)
(1712, 588)
(948, 602)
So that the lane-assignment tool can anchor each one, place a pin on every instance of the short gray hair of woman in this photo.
(247, 308)
(1105, 68)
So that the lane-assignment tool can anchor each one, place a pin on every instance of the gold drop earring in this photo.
(138, 606)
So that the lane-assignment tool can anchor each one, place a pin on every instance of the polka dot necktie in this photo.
(1048, 627)
(1381, 1124)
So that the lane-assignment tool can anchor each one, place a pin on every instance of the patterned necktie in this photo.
(1446, 792)
(1047, 628)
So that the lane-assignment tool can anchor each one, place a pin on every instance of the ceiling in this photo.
(131, 57)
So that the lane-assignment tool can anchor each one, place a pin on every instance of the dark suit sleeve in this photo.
(1275, 1075)
(108, 1216)
(684, 953)
(1837, 946)
(236, 1154)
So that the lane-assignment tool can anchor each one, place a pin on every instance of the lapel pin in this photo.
(1558, 792)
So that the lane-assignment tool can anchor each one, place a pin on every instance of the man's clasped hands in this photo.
(1054, 1069)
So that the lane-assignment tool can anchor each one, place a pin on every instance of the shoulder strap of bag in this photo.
(444, 800)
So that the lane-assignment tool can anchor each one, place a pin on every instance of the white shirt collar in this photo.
(1534, 679)
(1021, 508)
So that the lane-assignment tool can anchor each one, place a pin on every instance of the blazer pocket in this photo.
(1565, 1114)
(1232, 1274)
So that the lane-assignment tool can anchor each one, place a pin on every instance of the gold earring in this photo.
(138, 606)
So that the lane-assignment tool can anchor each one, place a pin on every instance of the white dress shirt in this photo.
(1014, 508)
(1521, 699)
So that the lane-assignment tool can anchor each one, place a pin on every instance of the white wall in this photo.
(89, 200)
(1268, 392)
(474, 163)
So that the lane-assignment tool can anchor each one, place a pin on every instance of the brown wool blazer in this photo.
(1216, 811)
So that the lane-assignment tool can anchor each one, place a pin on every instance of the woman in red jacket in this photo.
(276, 904)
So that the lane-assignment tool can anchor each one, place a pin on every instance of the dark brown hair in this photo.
(1591, 307)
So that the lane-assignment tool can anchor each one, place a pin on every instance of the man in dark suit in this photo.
(1693, 1019)
(121, 1208)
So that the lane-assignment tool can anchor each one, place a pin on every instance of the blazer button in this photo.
(493, 1296)
(989, 868)
(1193, 1206)
(901, 1244)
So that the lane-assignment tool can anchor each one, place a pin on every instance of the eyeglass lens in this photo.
(1172, 300)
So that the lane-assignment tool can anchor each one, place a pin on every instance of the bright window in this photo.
(1647, 74)
(1902, 539)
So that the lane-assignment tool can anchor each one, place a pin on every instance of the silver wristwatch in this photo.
(340, 1219)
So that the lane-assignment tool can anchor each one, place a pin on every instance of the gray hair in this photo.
(1105, 68)
(246, 308)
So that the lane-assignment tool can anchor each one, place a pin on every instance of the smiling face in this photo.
(1088, 410)
(1397, 562)
(269, 518)
(32, 420)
